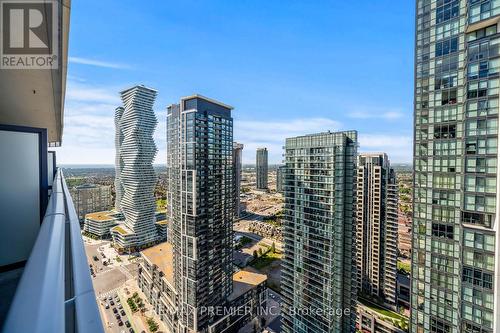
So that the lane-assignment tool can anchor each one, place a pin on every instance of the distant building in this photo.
(90, 198)
(280, 176)
(404, 234)
(261, 168)
(318, 268)
(237, 161)
(376, 228)
(156, 280)
(135, 177)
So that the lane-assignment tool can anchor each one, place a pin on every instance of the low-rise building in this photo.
(89, 198)
(99, 224)
(374, 319)
(111, 223)
(126, 239)
(156, 280)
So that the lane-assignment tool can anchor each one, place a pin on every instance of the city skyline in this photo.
(294, 80)
(340, 178)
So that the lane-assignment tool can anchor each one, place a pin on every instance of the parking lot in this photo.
(115, 315)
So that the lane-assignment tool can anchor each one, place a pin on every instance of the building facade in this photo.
(261, 168)
(90, 198)
(156, 281)
(455, 259)
(237, 162)
(376, 228)
(318, 269)
(200, 199)
(135, 178)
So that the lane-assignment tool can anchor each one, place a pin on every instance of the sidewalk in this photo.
(138, 319)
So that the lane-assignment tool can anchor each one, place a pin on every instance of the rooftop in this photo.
(121, 230)
(162, 255)
(89, 186)
(245, 280)
(101, 216)
(208, 100)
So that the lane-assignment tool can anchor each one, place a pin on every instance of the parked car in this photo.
(115, 310)
(106, 306)
(131, 330)
(111, 302)
(117, 316)
(127, 323)
(120, 323)
(122, 313)
(95, 258)
(120, 306)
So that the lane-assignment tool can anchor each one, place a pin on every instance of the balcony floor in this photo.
(8, 285)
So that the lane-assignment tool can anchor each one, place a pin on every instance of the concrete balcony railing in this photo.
(55, 292)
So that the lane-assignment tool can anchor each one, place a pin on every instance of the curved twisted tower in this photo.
(135, 163)
(118, 159)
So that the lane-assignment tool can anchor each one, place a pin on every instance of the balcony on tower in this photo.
(45, 283)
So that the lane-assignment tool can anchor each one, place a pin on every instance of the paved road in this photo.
(107, 281)
(111, 323)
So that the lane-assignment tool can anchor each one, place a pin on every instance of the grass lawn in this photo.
(265, 260)
(404, 266)
(381, 310)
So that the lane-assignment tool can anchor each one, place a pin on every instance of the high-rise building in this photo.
(261, 168)
(136, 179)
(318, 269)
(376, 228)
(280, 174)
(90, 198)
(455, 260)
(118, 159)
(201, 206)
(237, 161)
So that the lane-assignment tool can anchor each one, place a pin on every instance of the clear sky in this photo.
(288, 68)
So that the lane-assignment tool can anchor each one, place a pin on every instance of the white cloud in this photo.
(89, 127)
(272, 134)
(97, 63)
(90, 95)
(89, 130)
(399, 148)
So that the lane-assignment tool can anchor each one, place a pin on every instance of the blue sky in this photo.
(288, 68)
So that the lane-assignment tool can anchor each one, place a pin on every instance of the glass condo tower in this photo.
(455, 228)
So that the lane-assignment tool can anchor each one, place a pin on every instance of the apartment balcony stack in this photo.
(45, 283)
